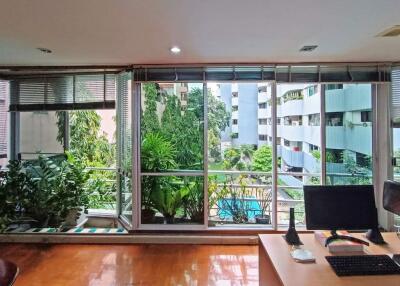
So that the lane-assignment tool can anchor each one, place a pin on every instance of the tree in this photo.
(150, 121)
(262, 159)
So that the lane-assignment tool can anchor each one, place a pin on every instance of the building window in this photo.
(313, 147)
(278, 140)
(313, 120)
(311, 90)
(286, 143)
(235, 94)
(262, 105)
(269, 120)
(334, 119)
(235, 135)
(366, 116)
(262, 137)
(235, 108)
(333, 86)
(278, 121)
(262, 121)
(234, 121)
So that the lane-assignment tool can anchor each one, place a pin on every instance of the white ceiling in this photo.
(86, 32)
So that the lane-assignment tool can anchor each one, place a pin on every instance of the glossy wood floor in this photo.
(128, 265)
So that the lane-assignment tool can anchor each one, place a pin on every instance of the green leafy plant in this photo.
(194, 201)
(262, 159)
(168, 197)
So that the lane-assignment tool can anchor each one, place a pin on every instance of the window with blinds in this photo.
(395, 112)
(4, 90)
(65, 92)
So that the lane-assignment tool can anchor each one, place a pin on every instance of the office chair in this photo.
(8, 272)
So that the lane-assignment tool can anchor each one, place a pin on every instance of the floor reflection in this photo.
(129, 265)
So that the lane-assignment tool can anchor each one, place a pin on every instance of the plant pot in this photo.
(263, 219)
(148, 215)
(169, 219)
(72, 218)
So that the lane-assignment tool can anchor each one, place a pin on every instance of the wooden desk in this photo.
(276, 266)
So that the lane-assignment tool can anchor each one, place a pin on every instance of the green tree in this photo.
(262, 159)
(150, 121)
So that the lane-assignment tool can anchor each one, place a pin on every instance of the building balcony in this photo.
(235, 101)
(311, 164)
(263, 113)
(334, 100)
(291, 157)
(292, 133)
(262, 97)
(311, 104)
(312, 135)
(235, 128)
(359, 139)
(292, 107)
(335, 137)
(235, 114)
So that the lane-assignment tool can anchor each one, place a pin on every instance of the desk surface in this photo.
(278, 268)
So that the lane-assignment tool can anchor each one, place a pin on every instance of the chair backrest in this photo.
(8, 272)
(391, 196)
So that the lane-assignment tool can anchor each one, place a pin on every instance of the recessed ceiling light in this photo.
(391, 32)
(44, 50)
(308, 48)
(175, 50)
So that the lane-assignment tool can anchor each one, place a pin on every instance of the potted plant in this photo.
(264, 200)
(194, 201)
(168, 196)
(157, 154)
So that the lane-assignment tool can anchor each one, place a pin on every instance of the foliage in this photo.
(59, 188)
(150, 121)
(262, 159)
(168, 196)
(15, 194)
(231, 158)
(93, 150)
(316, 154)
(194, 201)
(157, 153)
(43, 190)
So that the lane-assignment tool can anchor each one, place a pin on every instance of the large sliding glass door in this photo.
(172, 178)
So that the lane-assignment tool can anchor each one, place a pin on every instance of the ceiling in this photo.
(103, 32)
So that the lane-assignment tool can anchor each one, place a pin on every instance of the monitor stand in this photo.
(375, 236)
(334, 236)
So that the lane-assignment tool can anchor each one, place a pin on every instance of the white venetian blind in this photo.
(4, 91)
(395, 116)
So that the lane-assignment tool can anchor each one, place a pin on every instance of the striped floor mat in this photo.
(78, 230)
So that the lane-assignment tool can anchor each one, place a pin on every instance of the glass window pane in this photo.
(39, 134)
(298, 146)
(348, 116)
(239, 160)
(172, 200)
(172, 125)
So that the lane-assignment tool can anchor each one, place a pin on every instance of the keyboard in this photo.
(363, 265)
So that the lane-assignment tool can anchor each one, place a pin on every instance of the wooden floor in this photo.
(128, 265)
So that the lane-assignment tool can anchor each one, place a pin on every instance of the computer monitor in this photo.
(344, 207)
(391, 196)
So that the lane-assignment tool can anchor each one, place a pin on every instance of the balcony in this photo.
(235, 128)
(312, 135)
(235, 101)
(359, 138)
(292, 107)
(263, 113)
(292, 133)
(311, 164)
(235, 114)
(262, 97)
(292, 158)
(312, 104)
(335, 137)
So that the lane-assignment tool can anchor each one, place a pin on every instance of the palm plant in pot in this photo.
(167, 197)
(157, 154)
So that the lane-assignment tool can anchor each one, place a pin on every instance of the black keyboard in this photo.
(363, 265)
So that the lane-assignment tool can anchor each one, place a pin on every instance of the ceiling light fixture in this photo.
(308, 48)
(44, 50)
(175, 50)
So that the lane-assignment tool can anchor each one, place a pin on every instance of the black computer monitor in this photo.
(345, 207)
(349, 207)
(391, 196)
